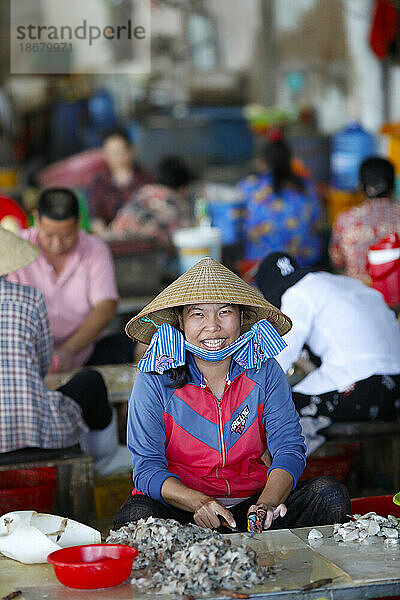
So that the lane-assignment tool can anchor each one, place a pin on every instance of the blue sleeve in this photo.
(282, 425)
(146, 435)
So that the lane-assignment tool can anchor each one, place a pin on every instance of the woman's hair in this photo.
(174, 173)
(277, 155)
(118, 132)
(377, 177)
(180, 375)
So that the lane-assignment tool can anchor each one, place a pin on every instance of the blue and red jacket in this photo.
(214, 446)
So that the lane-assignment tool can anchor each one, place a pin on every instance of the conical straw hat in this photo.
(15, 252)
(206, 282)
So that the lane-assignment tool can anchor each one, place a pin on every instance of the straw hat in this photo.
(15, 252)
(206, 282)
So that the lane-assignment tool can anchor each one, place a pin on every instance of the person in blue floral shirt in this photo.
(282, 209)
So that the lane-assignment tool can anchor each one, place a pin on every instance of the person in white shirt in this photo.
(351, 330)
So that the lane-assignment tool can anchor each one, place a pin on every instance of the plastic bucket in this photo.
(340, 200)
(383, 266)
(228, 215)
(194, 243)
(350, 146)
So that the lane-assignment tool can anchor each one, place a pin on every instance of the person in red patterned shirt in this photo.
(356, 229)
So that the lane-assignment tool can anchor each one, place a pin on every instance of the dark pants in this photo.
(88, 389)
(377, 397)
(317, 501)
(113, 349)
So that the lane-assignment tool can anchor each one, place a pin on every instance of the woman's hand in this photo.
(266, 513)
(210, 513)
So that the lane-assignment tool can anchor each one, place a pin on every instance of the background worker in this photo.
(75, 272)
(349, 329)
(212, 428)
(157, 210)
(357, 228)
(282, 209)
(32, 416)
(112, 188)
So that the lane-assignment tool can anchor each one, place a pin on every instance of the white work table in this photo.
(356, 571)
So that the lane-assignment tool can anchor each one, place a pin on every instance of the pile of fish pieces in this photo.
(367, 528)
(182, 559)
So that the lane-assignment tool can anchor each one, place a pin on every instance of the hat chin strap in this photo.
(168, 346)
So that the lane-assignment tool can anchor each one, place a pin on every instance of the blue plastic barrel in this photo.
(229, 217)
(66, 123)
(350, 146)
(101, 110)
(229, 134)
(226, 208)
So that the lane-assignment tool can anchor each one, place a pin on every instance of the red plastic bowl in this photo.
(93, 566)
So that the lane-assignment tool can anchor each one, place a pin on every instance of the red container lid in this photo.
(389, 242)
(9, 208)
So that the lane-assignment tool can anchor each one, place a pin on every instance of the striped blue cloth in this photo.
(167, 348)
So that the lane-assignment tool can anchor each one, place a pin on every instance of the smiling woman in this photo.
(212, 326)
(209, 403)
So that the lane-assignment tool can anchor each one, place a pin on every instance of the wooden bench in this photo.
(379, 454)
(74, 476)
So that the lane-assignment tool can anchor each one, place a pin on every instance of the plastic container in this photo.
(137, 267)
(204, 136)
(8, 167)
(101, 110)
(226, 207)
(28, 489)
(397, 188)
(12, 214)
(382, 505)
(350, 146)
(390, 144)
(340, 200)
(230, 137)
(93, 566)
(195, 243)
(383, 266)
(333, 459)
(67, 120)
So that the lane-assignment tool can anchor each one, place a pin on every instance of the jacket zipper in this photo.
(222, 440)
(221, 430)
